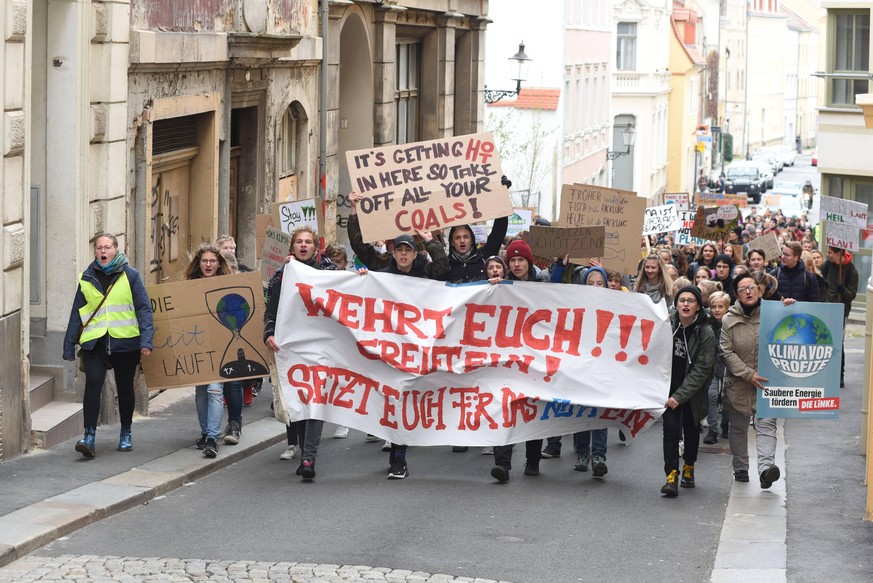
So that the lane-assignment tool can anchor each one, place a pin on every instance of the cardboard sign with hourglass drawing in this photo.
(207, 330)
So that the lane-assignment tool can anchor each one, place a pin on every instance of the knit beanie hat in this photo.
(519, 248)
(723, 258)
(690, 289)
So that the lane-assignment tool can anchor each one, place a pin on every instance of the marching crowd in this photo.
(713, 293)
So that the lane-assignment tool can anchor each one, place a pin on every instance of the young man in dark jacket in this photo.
(795, 281)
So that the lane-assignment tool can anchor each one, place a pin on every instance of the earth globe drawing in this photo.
(801, 345)
(233, 308)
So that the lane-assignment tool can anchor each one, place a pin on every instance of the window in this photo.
(851, 55)
(288, 144)
(406, 92)
(626, 46)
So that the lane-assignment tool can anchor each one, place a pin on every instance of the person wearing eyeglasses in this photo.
(111, 321)
(740, 330)
(208, 261)
(693, 366)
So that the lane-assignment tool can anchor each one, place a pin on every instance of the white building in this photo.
(641, 93)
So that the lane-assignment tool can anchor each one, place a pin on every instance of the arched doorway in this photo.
(355, 105)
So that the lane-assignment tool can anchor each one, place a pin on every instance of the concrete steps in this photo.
(52, 419)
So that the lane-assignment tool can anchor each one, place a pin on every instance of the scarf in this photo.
(117, 264)
(467, 257)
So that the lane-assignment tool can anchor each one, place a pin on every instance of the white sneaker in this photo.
(371, 437)
(289, 454)
(341, 432)
(386, 446)
(488, 451)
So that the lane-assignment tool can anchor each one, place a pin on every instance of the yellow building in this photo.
(686, 64)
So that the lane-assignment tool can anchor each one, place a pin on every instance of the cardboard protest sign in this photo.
(768, 244)
(842, 235)
(840, 210)
(480, 232)
(289, 215)
(799, 353)
(558, 241)
(722, 198)
(714, 222)
(206, 331)
(418, 362)
(519, 221)
(276, 247)
(261, 224)
(660, 219)
(620, 211)
(680, 199)
(683, 233)
(428, 185)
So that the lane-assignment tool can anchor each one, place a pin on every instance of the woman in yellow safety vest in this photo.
(111, 321)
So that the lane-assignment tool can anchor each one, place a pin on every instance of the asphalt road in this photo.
(448, 517)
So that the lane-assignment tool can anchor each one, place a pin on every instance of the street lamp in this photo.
(521, 59)
(628, 136)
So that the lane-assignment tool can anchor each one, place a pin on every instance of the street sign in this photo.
(715, 129)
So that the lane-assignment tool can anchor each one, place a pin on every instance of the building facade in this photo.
(640, 89)
(170, 122)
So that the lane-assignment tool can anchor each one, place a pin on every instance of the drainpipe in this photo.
(866, 436)
(322, 119)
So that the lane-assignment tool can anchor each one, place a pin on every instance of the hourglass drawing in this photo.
(233, 307)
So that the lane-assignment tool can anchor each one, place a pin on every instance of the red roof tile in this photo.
(539, 98)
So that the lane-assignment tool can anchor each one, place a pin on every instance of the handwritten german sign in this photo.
(207, 330)
(840, 210)
(428, 185)
(714, 222)
(722, 199)
(559, 241)
(841, 235)
(620, 211)
(660, 219)
(276, 247)
(683, 233)
(290, 215)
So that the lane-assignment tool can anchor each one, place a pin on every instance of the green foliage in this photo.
(728, 147)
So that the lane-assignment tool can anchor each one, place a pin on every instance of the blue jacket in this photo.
(143, 316)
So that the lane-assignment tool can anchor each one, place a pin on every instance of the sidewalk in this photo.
(805, 520)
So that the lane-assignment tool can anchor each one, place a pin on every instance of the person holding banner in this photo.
(111, 321)
(304, 248)
(842, 286)
(521, 268)
(209, 261)
(693, 366)
(741, 328)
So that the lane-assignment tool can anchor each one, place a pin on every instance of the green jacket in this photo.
(701, 350)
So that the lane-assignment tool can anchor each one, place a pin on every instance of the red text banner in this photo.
(428, 185)
(421, 363)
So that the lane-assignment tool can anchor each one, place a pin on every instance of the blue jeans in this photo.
(590, 442)
(233, 395)
(210, 408)
(712, 415)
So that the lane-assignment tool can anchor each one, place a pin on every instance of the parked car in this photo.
(745, 177)
(815, 157)
(771, 158)
(786, 154)
(783, 187)
(766, 170)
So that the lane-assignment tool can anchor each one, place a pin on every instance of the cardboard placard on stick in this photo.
(680, 199)
(276, 247)
(722, 199)
(428, 185)
(619, 211)
(289, 215)
(841, 235)
(558, 241)
(207, 330)
(714, 222)
(840, 210)
(262, 222)
(768, 244)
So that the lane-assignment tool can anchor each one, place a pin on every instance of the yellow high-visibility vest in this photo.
(117, 315)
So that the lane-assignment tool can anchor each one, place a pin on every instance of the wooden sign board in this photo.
(559, 241)
(428, 185)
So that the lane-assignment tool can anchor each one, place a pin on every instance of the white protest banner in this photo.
(841, 235)
(840, 210)
(418, 362)
(683, 233)
(519, 221)
(287, 216)
(768, 244)
(480, 232)
(427, 185)
(620, 211)
(680, 199)
(660, 219)
(276, 248)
